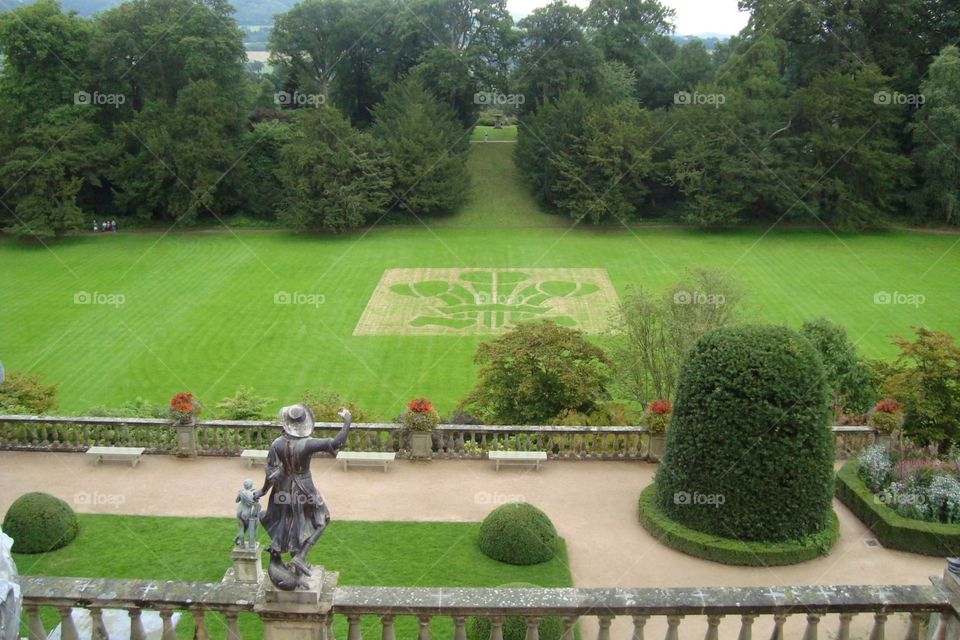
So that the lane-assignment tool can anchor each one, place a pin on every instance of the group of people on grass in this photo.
(106, 225)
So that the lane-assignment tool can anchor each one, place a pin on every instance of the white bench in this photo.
(254, 455)
(518, 457)
(366, 458)
(127, 454)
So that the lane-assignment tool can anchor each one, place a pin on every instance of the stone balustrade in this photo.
(924, 611)
(230, 437)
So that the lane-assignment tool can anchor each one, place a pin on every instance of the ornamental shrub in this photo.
(749, 453)
(875, 466)
(514, 627)
(518, 533)
(39, 522)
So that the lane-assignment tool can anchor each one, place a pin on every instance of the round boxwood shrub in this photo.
(518, 533)
(514, 627)
(749, 453)
(39, 522)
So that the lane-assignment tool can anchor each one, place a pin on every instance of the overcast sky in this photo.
(693, 16)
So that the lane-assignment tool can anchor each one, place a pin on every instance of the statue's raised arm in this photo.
(332, 445)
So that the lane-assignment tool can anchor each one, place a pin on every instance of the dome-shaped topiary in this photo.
(514, 627)
(39, 522)
(518, 533)
(749, 452)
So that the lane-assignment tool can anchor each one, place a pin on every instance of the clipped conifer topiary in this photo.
(39, 522)
(518, 533)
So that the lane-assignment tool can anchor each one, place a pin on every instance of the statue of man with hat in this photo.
(296, 515)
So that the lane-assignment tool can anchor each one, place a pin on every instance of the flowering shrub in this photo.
(888, 405)
(420, 415)
(875, 467)
(183, 406)
(886, 416)
(944, 499)
(656, 418)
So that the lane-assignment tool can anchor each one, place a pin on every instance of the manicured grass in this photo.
(421, 554)
(199, 310)
(507, 132)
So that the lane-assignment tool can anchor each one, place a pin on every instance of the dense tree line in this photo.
(824, 112)
(819, 112)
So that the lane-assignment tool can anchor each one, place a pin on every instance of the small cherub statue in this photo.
(248, 515)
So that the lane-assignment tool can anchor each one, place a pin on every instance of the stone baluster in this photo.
(424, 633)
(673, 626)
(913, 629)
(68, 630)
(200, 628)
(568, 624)
(353, 629)
(879, 622)
(387, 631)
(778, 620)
(533, 628)
(136, 625)
(604, 622)
(844, 632)
(940, 633)
(169, 633)
(746, 627)
(233, 632)
(713, 627)
(813, 622)
(459, 628)
(34, 625)
(496, 628)
(639, 622)
(98, 629)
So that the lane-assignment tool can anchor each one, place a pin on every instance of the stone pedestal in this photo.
(304, 614)
(247, 566)
(186, 440)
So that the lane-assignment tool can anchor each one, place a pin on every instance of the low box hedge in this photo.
(729, 550)
(891, 529)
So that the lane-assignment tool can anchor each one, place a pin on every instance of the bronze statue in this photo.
(248, 512)
(296, 515)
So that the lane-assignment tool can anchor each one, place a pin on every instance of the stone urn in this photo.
(186, 437)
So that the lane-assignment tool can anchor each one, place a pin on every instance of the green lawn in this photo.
(420, 554)
(508, 132)
(199, 312)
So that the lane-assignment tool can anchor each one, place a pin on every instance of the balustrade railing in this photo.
(907, 612)
(230, 437)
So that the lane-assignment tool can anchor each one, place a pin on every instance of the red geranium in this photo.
(420, 405)
(888, 405)
(660, 407)
(182, 402)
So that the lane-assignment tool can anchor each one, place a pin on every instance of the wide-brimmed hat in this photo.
(297, 420)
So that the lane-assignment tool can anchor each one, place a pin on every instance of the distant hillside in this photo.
(249, 12)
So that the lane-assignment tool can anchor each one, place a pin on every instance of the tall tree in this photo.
(936, 138)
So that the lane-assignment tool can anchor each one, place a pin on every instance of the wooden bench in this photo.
(518, 457)
(254, 455)
(127, 454)
(366, 458)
